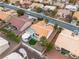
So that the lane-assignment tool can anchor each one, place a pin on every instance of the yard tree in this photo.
(38, 9)
(6, 1)
(44, 41)
(20, 12)
(72, 1)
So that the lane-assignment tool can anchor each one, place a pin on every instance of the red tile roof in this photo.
(18, 22)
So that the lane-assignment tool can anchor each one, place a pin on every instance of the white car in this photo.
(25, 37)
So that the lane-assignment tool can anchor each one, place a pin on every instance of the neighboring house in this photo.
(14, 1)
(42, 29)
(68, 43)
(47, 1)
(6, 15)
(62, 13)
(20, 23)
(76, 15)
(34, 5)
(13, 55)
(52, 8)
(60, 5)
(4, 45)
(71, 7)
(25, 4)
(77, 2)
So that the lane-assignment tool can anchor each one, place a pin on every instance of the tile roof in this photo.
(76, 14)
(18, 22)
(67, 41)
(42, 28)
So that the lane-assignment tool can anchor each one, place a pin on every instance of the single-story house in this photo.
(42, 29)
(4, 45)
(69, 42)
(21, 23)
(34, 5)
(60, 5)
(13, 1)
(25, 4)
(38, 1)
(6, 15)
(62, 13)
(71, 7)
(13, 55)
(76, 15)
(52, 8)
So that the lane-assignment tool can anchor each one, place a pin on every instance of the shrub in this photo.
(32, 41)
(50, 47)
(43, 41)
(11, 35)
(20, 12)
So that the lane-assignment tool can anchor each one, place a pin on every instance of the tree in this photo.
(38, 9)
(46, 20)
(6, 1)
(77, 23)
(72, 1)
(60, 29)
(55, 26)
(20, 12)
(51, 13)
(43, 41)
(68, 18)
(49, 47)
(17, 3)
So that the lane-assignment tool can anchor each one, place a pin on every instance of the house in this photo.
(62, 13)
(76, 15)
(34, 5)
(20, 23)
(4, 45)
(47, 1)
(38, 1)
(6, 15)
(13, 55)
(14, 1)
(68, 43)
(42, 29)
(52, 8)
(60, 5)
(71, 7)
(25, 4)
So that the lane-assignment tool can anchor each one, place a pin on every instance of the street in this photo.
(62, 24)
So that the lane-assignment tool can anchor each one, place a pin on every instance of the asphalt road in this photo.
(40, 15)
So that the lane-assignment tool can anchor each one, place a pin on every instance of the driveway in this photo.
(53, 54)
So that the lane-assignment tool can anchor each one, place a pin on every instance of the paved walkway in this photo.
(53, 54)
